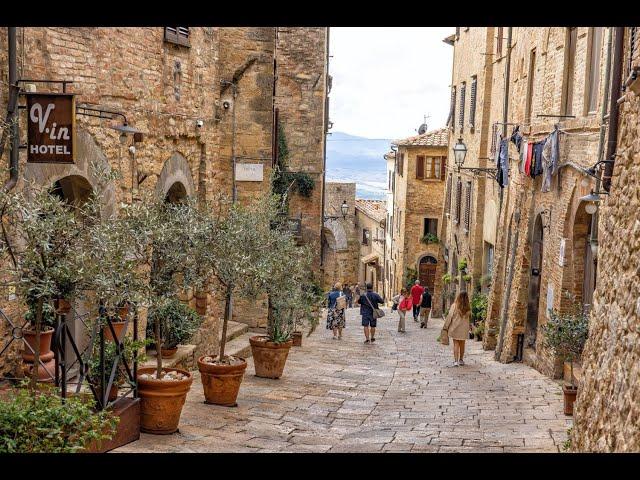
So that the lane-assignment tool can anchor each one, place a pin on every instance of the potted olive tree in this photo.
(565, 334)
(178, 323)
(161, 237)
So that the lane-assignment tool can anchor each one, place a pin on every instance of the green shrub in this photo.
(41, 423)
(178, 322)
(429, 238)
(462, 264)
(131, 350)
(479, 307)
(446, 278)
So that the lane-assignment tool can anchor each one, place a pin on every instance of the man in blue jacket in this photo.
(368, 302)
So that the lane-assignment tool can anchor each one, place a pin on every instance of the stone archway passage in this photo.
(175, 171)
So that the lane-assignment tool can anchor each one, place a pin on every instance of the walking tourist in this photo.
(457, 325)
(336, 303)
(353, 295)
(416, 293)
(405, 303)
(369, 302)
(347, 293)
(356, 295)
(425, 308)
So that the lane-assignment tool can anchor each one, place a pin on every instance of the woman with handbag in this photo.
(456, 326)
(404, 302)
(336, 303)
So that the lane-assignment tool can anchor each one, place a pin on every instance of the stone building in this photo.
(371, 216)
(389, 264)
(418, 195)
(555, 80)
(201, 96)
(607, 410)
(341, 246)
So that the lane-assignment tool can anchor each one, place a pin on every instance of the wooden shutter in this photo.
(458, 199)
(452, 109)
(449, 187)
(463, 92)
(472, 105)
(499, 43)
(437, 168)
(467, 210)
(420, 166)
(177, 35)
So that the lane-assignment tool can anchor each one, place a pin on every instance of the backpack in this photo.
(341, 302)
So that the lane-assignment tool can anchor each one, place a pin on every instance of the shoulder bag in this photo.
(341, 302)
(377, 312)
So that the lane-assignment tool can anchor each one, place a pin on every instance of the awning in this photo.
(371, 258)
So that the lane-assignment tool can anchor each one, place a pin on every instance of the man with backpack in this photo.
(425, 308)
(370, 312)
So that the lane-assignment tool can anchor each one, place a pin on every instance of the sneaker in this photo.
(366, 341)
(373, 340)
(461, 362)
(456, 364)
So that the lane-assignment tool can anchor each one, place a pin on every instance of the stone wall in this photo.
(341, 247)
(375, 225)
(607, 410)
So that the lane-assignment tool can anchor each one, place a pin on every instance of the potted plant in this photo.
(565, 334)
(446, 278)
(43, 424)
(160, 236)
(178, 323)
(46, 372)
(429, 238)
(478, 331)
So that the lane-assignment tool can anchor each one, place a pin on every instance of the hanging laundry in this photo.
(537, 158)
(550, 155)
(516, 137)
(502, 176)
(523, 156)
(527, 163)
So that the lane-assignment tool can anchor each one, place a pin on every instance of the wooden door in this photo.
(427, 273)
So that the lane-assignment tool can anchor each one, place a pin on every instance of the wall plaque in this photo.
(249, 172)
(51, 127)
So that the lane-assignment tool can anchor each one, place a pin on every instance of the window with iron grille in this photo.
(472, 101)
(463, 89)
(458, 200)
(177, 35)
(449, 187)
(452, 110)
(467, 208)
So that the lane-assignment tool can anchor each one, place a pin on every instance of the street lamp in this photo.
(344, 208)
(592, 200)
(459, 152)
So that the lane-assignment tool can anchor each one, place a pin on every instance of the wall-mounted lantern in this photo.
(344, 208)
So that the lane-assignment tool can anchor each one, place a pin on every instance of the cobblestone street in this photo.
(400, 394)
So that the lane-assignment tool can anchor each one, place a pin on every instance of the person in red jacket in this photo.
(404, 305)
(416, 293)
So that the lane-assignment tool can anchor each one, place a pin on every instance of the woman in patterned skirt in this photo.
(335, 315)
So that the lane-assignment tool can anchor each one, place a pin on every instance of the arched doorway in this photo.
(584, 265)
(176, 194)
(427, 272)
(535, 275)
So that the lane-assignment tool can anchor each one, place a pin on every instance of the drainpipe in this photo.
(12, 119)
(614, 109)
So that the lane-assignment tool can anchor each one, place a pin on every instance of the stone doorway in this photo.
(427, 272)
(533, 303)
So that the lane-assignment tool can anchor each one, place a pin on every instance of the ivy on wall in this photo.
(284, 180)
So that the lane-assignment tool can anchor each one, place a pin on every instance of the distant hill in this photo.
(358, 159)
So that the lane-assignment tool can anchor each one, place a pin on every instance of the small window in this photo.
(569, 70)
(530, 85)
(593, 65)
(177, 35)
(365, 233)
(430, 225)
(472, 104)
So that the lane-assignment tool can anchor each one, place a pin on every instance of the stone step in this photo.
(239, 346)
(183, 358)
(234, 329)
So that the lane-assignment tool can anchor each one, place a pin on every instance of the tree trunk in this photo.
(225, 322)
(158, 348)
(36, 354)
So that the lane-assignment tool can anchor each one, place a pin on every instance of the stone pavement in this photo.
(400, 394)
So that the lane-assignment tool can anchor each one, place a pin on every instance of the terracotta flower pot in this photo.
(119, 329)
(168, 352)
(221, 383)
(113, 392)
(570, 393)
(62, 306)
(161, 401)
(297, 339)
(46, 373)
(269, 357)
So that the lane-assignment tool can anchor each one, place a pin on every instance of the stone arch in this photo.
(175, 170)
(88, 154)
(338, 232)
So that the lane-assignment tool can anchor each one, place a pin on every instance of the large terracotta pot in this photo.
(46, 373)
(161, 401)
(570, 393)
(119, 329)
(221, 383)
(297, 339)
(168, 352)
(269, 357)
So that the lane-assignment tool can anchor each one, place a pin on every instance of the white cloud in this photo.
(386, 79)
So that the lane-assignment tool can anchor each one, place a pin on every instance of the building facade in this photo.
(371, 217)
(418, 194)
(204, 98)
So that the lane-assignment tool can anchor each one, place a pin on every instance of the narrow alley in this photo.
(400, 394)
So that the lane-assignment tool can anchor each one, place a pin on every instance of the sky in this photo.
(386, 79)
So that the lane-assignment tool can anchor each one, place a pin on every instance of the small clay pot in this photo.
(297, 339)
(119, 329)
(570, 393)
(62, 306)
(269, 357)
(161, 401)
(168, 352)
(220, 382)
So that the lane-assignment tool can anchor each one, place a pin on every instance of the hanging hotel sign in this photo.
(51, 127)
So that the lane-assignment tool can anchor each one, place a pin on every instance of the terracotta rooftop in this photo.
(434, 138)
(374, 209)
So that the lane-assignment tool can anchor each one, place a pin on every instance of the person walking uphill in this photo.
(457, 324)
(347, 292)
(425, 308)
(336, 303)
(404, 305)
(416, 294)
(369, 302)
